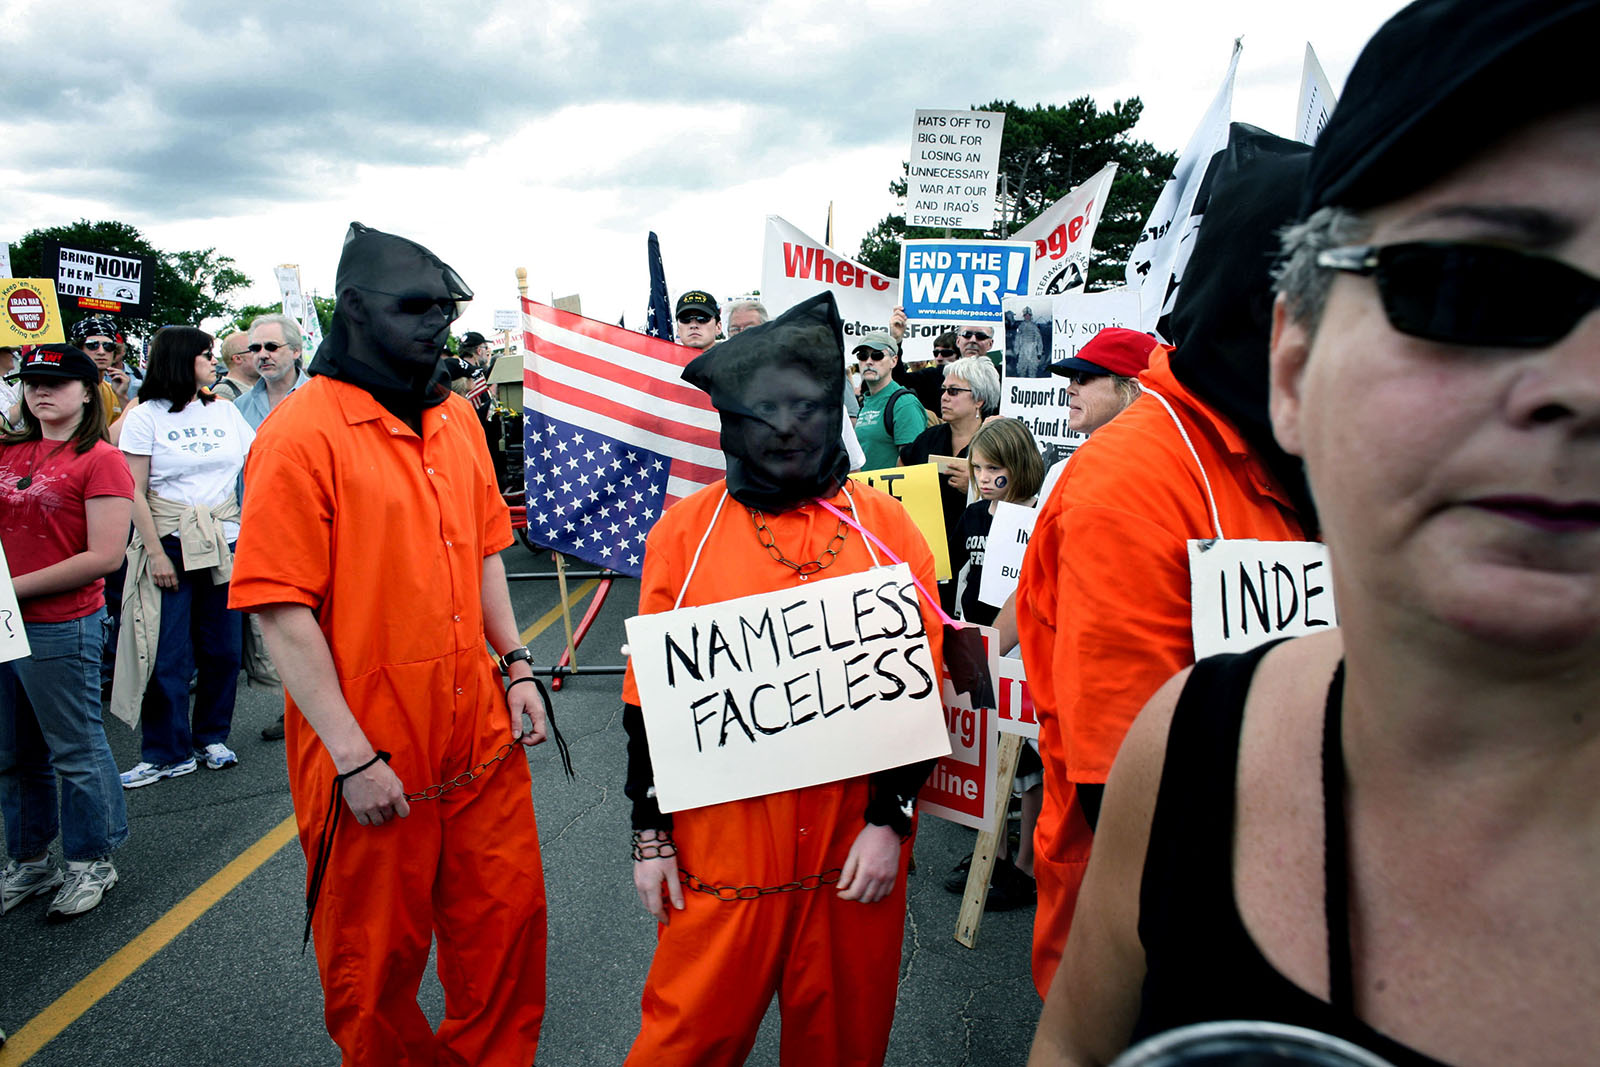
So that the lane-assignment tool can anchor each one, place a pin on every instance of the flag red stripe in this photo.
(637, 343)
(581, 401)
(621, 374)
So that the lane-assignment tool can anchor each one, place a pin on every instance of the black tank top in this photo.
(1202, 965)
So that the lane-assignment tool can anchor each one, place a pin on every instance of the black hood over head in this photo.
(1221, 322)
(741, 376)
(369, 262)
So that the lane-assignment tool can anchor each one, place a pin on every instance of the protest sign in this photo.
(1245, 592)
(1316, 100)
(1063, 235)
(92, 280)
(917, 488)
(961, 788)
(1156, 265)
(955, 162)
(1009, 532)
(1016, 714)
(30, 315)
(1040, 399)
(507, 319)
(962, 281)
(5, 260)
(13, 638)
(781, 690)
(294, 301)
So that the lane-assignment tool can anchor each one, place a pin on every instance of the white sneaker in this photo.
(217, 756)
(23, 880)
(87, 881)
(144, 773)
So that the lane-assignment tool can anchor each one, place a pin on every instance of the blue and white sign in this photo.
(962, 280)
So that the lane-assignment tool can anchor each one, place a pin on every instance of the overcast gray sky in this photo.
(555, 135)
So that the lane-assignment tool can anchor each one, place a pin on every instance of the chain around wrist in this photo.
(659, 847)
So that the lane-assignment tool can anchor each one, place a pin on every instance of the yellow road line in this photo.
(549, 618)
(48, 1024)
(44, 1027)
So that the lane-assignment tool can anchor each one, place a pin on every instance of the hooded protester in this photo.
(1173, 467)
(830, 952)
(374, 480)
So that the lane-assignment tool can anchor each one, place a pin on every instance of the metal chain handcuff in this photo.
(434, 792)
(807, 884)
(810, 567)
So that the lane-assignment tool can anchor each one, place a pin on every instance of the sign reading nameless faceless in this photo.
(955, 161)
(828, 680)
(94, 280)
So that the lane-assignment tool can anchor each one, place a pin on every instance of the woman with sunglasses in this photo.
(1387, 831)
(65, 494)
(186, 450)
(970, 394)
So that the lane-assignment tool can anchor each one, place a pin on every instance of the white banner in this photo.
(297, 307)
(1156, 265)
(1245, 592)
(787, 689)
(5, 260)
(507, 319)
(1316, 100)
(1003, 551)
(1063, 235)
(13, 638)
(1029, 391)
(955, 163)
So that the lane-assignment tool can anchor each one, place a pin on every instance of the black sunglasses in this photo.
(694, 318)
(93, 346)
(1470, 294)
(946, 352)
(870, 355)
(1081, 377)
(954, 390)
(270, 346)
(973, 335)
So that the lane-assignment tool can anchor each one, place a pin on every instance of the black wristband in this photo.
(383, 756)
(519, 681)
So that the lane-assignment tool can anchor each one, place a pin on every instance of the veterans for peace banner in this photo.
(1316, 100)
(1156, 265)
(612, 435)
(828, 680)
(1063, 235)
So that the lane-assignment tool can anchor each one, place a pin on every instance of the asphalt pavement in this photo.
(194, 957)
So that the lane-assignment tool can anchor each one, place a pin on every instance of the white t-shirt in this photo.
(195, 454)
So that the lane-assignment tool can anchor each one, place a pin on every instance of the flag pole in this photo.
(561, 563)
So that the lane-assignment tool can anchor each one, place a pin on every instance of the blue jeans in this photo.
(50, 727)
(198, 633)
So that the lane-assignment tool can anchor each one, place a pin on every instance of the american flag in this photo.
(613, 435)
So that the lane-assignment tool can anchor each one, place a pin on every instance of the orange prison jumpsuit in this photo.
(1103, 604)
(383, 534)
(834, 964)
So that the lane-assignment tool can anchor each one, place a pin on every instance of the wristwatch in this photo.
(515, 655)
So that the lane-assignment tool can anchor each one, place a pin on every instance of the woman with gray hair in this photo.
(971, 394)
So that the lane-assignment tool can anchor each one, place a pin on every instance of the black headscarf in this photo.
(1222, 320)
(809, 338)
(370, 262)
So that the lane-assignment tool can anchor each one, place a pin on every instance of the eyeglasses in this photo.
(1470, 294)
(870, 355)
(270, 346)
(1081, 377)
(698, 320)
(954, 390)
(974, 335)
(99, 346)
(945, 352)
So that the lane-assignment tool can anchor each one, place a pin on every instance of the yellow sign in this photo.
(918, 489)
(29, 314)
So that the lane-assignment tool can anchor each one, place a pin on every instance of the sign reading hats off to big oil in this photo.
(955, 157)
(28, 312)
(92, 280)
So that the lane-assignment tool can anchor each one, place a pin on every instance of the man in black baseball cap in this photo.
(699, 319)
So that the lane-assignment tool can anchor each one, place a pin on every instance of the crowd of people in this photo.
(1382, 833)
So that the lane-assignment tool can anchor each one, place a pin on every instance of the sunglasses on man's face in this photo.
(1482, 296)
(972, 335)
(1081, 377)
(100, 346)
(698, 320)
(870, 355)
(937, 352)
(270, 346)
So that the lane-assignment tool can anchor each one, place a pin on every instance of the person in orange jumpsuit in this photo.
(369, 545)
(1103, 600)
(831, 953)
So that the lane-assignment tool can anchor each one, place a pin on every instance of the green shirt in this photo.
(910, 419)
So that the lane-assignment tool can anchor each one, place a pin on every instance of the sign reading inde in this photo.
(28, 312)
(962, 280)
(93, 280)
